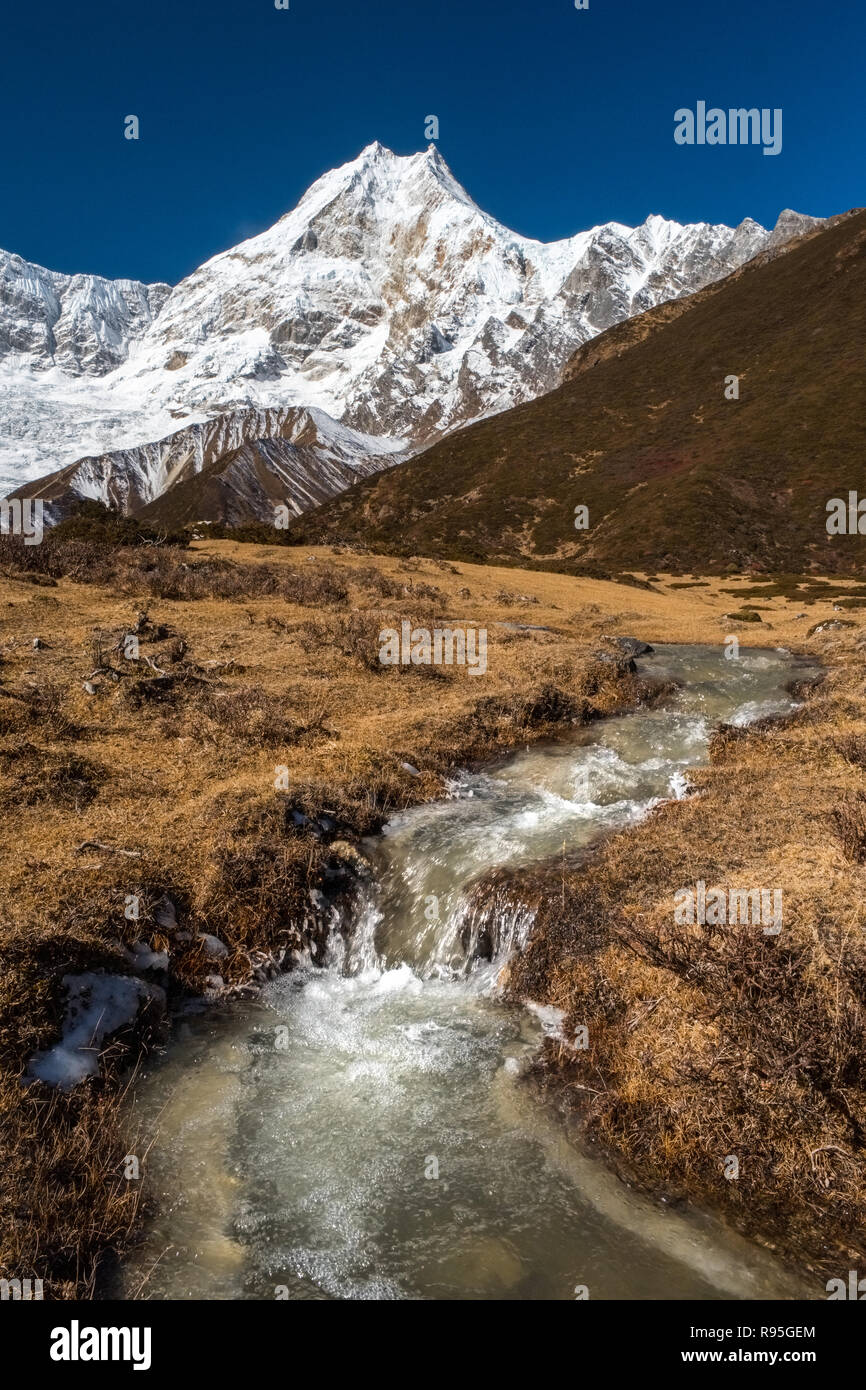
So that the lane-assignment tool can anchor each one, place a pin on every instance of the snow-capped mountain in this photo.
(81, 324)
(386, 300)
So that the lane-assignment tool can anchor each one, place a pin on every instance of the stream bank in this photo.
(361, 1131)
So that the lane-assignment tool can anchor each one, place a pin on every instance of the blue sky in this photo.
(554, 119)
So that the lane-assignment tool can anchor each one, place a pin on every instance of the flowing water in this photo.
(362, 1131)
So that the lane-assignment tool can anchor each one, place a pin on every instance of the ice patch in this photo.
(550, 1018)
(680, 785)
(142, 957)
(96, 1006)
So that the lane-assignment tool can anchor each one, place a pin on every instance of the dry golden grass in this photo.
(161, 782)
(706, 1042)
(666, 612)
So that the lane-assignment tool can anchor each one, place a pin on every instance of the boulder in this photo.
(631, 646)
(212, 945)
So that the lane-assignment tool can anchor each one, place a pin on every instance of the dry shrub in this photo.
(52, 560)
(507, 598)
(852, 747)
(419, 590)
(34, 776)
(314, 586)
(161, 571)
(42, 707)
(175, 652)
(207, 709)
(529, 710)
(375, 582)
(162, 575)
(160, 689)
(355, 636)
(378, 585)
(248, 715)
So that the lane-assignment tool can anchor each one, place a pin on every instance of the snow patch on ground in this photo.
(96, 1006)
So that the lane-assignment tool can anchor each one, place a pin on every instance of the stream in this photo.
(361, 1130)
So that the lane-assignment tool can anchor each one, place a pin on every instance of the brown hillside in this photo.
(675, 475)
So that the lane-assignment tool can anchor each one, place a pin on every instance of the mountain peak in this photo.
(375, 150)
(646, 469)
(790, 224)
(386, 298)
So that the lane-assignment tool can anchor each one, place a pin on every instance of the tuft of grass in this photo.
(34, 776)
(850, 822)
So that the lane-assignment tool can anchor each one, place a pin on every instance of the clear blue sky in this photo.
(554, 119)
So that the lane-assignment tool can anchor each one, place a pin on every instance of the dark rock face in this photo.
(632, 646)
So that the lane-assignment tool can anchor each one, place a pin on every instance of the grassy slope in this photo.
(675, 476)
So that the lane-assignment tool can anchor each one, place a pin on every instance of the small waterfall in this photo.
(355, 952)
(491, 922)
(440, 937)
